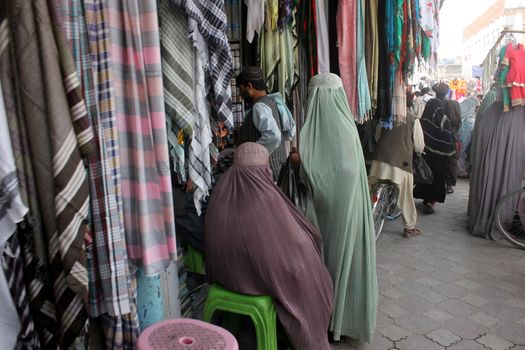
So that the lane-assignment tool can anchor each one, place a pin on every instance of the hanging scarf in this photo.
(212, 24)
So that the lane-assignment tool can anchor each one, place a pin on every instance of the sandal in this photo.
(428, 208)
(411, 232)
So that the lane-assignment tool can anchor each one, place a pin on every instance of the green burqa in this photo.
(334, 169)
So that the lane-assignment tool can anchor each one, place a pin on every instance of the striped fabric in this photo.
(59, 170)
(107, 252)
(83, 130)
(212, 23)
(30, 232)
(11, 261)
(146, 181)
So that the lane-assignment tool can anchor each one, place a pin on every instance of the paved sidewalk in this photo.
(447, 289)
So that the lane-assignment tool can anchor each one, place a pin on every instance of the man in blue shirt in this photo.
(267, 121)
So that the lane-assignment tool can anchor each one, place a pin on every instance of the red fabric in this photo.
(516, 76)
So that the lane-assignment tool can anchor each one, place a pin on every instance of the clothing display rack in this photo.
(490, 62)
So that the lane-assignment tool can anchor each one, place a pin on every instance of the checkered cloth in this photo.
(87, 34)
(212, 24)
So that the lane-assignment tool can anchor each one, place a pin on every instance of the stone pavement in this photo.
(446, 289)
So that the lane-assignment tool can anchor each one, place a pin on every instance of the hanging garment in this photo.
(254, 19)
(59, 170)
(408, 46)
(399, 29)
(182, 82)
(516, 75)
(416, 29)
(201, 146)
(32, 237)
(334, 170)
(347, 41)
(258, 243)
(288, 70)
(426, 18)
(384, 92)
(372, 48)
(12, 267)
(399, 101)
(323, 42)
(9, 320)
(279, 57)
(177, 68)
(363, 90)
(108, 267)
(307, 10)
(211, 20)
(16, 323)
(12, 209)
(286, 13)
(499, 165)
(146, 186)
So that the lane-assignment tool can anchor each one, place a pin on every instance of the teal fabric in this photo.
(333, 168)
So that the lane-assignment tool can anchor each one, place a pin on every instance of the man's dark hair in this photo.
(254, 76)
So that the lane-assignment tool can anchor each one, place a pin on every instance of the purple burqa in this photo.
(258, 243)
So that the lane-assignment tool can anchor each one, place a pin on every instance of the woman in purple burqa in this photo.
(258, 243)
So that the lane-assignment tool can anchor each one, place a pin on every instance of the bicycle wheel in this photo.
(380, 205)
(510, 217)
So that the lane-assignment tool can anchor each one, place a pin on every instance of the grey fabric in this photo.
(499, 166)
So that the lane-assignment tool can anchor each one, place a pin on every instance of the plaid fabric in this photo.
(122, 333)
(59, 171)
(107, 258)
(308, 22)
(13, 266)
(146, 179)
(210, 17)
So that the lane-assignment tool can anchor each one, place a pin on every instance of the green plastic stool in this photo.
(194, 260)
(259, 308)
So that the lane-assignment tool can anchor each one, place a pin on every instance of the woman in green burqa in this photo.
(334, 169)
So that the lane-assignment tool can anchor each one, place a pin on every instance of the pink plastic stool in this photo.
(186, 334)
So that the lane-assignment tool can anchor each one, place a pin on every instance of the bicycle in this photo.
(510, 216)
(384, 195)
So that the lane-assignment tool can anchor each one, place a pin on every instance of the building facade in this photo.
(480, 35)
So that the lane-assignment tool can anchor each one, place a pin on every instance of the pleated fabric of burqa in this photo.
(258, 243)
(499, 166)
(334, 169)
